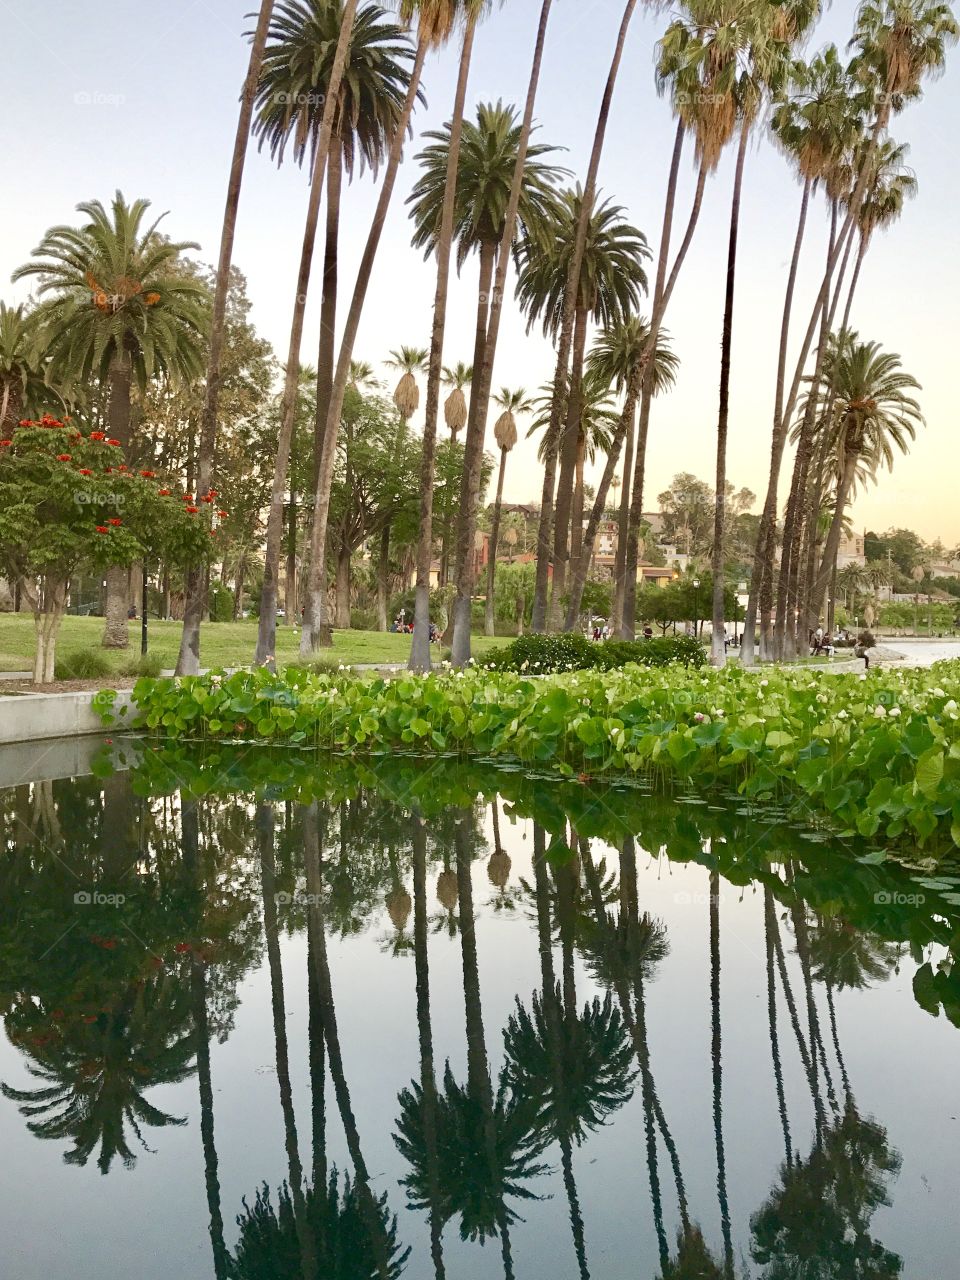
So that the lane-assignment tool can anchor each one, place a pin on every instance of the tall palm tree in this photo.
(436, 20)
(24, 390)
(117, 310)
(611, 279)
(565, 331)
(619, 358)
(409, 361)
(873, 414)
(505, 434)
(188, 661)
(818, 119)
(353, 68)
(486, 167)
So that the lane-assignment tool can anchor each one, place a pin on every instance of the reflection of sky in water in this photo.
(152, 1220)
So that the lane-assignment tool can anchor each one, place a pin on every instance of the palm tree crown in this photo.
(619, 350)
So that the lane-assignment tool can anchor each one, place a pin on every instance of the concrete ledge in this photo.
(28, 717)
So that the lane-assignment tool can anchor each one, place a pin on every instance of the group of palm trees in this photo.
(334, 85)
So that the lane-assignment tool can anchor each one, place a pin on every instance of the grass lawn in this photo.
(222, 644)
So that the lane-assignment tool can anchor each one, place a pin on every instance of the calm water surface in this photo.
(271, 1016)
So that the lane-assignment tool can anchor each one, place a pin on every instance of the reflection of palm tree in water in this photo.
(353, 1233)
(485, 1149)
(623, 951)
(717, 1064)
(577, 1067)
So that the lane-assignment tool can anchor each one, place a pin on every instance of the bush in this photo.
(143, 664)
(85, 664)
(571, 651)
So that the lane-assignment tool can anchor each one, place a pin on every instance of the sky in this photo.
(97, 95)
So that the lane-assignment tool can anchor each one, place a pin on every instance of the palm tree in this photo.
(619, 358)
(188, 661)
(24, 391)
(117, 310)
(485, 170)
(409, 361)
(611, 278)
(321, 56)
(873, 414)
(565, 331)
(455, 405)
(817, 121)
(436, 20)
(505, 434)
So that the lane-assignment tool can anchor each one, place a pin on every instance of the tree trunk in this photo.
(290, 576)
(117, 602)
(489, 620)
(761, 583)
(316, 626)
(420, 647)
(472, 472)
(326, 355)
(718, 648)
(483, 377)
(188, 662)
(343, 587)
(571, 292)
(661, 300)
(383, 578)
(623, 521)
(47, 602)
(267, 630)
(568, 469)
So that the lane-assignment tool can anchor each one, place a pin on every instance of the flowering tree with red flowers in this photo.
(69, 503)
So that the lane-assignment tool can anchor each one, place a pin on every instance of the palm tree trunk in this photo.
(267, 631)
(383, 578)
(420, 647)
(470, 478)
(482, 384)
(489, 626)
(623, 522)
(576, 511)
(718, 648)
(770, 924)
(117, 603)
(582, 565)
(326, 356)
(832, 545)
(188, 662)
(715, 1054)
(571, 293)
(761, 583)
(568, 467)
(343, 585)
(290, 575)
(316, 629)
(628, 626)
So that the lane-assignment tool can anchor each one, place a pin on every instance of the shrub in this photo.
(571, 651)
(85, 664)
(142, 664)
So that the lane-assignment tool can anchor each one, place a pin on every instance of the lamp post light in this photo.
(696, 607)
(741, 590)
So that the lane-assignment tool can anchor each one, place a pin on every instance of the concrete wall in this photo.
(27, 717)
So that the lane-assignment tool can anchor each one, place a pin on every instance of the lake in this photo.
(271, 1015)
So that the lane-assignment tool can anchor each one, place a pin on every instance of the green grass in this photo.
(222, 644)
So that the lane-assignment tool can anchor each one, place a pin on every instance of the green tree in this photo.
(118, 310)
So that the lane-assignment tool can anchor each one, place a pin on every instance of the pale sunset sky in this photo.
(104, 94)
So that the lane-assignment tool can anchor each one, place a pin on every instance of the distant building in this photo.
(851, 551)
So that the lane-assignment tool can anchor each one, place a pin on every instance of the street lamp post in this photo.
(741, 590)
(143, 611)
(696, 607)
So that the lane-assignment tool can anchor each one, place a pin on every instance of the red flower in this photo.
(182, 947)
(25, 422)
(76, 435)
(102, 528)
(147, 474)
(121, 468)
(188, 497)
(115, 522)
(108, 471)
(213, 493)
(114, 442)
(193, 510)
(97, 435)
(223, 514)
(164, 493)
(63, 457)
(85, 471)
(5, 443)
